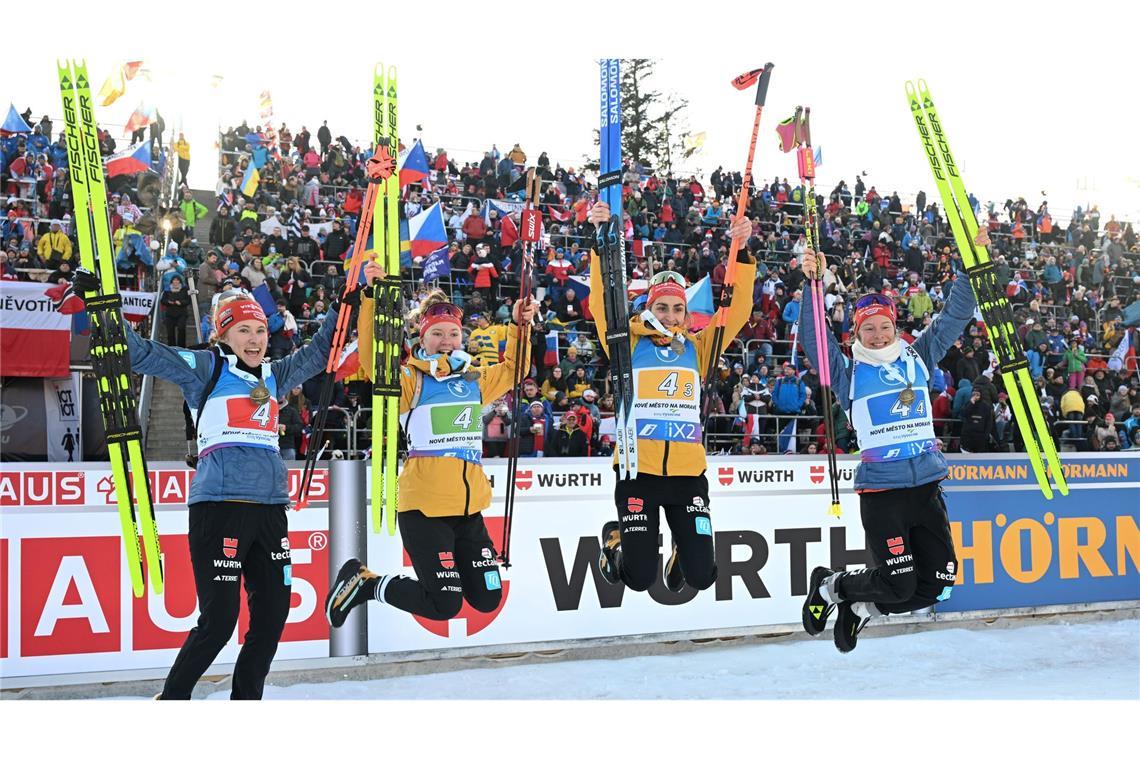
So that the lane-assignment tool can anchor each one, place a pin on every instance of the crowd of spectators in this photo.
(37, 234)
(1070, 285)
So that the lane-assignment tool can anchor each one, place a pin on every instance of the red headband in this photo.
(667, 288)
(238, 310)
(429, 320)
(873, 310)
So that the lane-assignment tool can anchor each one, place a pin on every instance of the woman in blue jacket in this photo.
(239, 494)
(886, 393)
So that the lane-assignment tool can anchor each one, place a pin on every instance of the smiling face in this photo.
(670, 310)
(442, 337)
(877, 332)
(249, 340)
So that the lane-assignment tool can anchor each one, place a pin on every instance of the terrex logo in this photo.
(523, 479)
(725, 475)
(816, 473)
(895, 545)
(635, 504)
(474, 620)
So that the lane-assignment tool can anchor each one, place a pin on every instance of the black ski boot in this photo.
(816, 608)
(674, 576)
(848, 624)
(355, 584)
(609, 561)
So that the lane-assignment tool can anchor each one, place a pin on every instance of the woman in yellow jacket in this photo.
(442, 488)
(668, 366)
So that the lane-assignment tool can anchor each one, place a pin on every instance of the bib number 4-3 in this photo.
(669, 385)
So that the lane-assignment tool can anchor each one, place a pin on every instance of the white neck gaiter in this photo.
(876, 356)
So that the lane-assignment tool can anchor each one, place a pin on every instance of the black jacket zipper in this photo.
(467, 490)
(665, 461)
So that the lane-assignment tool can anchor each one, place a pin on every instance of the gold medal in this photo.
(260, 393)
(907, 396)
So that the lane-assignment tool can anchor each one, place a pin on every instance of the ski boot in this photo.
(609, 560)
(848, 623)
(355, 584)
(816, 607)
(674, 576)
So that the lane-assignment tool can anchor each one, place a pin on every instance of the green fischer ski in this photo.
(388, 325)
(108, 339)
(995, 308)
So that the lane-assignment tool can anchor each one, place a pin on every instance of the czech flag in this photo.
(550, 358)
(133, 160)
(700, 301)
(142, 116)
(581, 287)
(348, 363)
(426, 231)
(413, 164)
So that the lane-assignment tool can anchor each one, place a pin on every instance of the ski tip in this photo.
(923, 88)
(378, 70)
(909, 87)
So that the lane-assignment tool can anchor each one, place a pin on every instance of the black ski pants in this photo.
(912, 563)
(454, 559)
(685, 501)
(232, 542)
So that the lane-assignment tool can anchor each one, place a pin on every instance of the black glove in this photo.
(744, 256)
(84, 281)
(349, 297)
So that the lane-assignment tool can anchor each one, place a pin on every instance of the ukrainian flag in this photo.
(250, 181)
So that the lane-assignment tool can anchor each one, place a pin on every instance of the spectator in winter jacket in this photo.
(789, 394)
(484, 341)
(474, 228)
(289, 426)
(533, 426)
(568, 307)
(558, 270)
(55, 246)
(337, 242)
(568, 440)
(222, 229)
(282, 328)
(192, 211)
(294, 283)
(791, 313)
(967, 368)
(1074, 360)
(171, 265)
(484, 271)
(175, 306)
(570, 365)
(977, 424)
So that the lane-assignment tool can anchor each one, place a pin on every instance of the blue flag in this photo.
(264, 298)
(786, 442)
(437, 265)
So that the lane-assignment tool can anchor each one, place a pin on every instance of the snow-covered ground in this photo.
(1099, 660)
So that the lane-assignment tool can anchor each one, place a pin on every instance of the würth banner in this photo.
(35, 328)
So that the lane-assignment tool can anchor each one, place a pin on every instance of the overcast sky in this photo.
(1033, 99)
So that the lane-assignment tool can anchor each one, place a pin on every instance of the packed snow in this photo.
(1097, 660)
